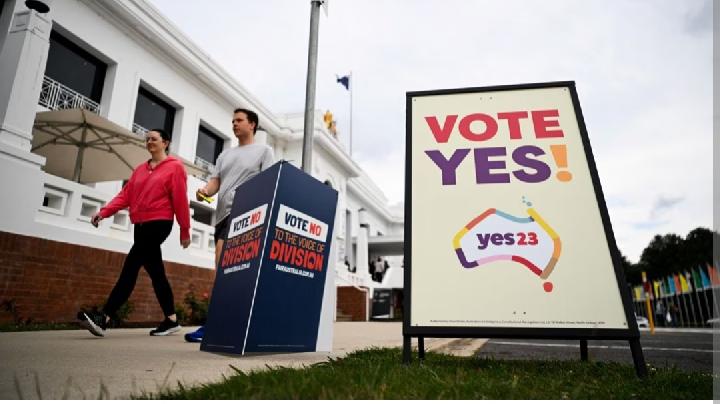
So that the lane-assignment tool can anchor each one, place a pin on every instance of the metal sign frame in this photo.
(631, 333)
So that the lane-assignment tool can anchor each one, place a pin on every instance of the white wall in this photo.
(134, 61)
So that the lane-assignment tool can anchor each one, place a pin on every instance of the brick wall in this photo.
(49, 281)
(352, 302)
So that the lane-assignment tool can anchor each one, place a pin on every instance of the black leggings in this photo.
(146, 253)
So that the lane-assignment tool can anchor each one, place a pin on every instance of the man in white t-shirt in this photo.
(233, 167)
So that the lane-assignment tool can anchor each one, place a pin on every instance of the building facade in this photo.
(129, 65)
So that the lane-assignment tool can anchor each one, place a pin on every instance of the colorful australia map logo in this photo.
(498, 236)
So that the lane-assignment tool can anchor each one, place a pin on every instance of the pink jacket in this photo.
(155, 194)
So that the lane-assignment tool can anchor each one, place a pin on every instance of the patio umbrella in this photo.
(84, 147)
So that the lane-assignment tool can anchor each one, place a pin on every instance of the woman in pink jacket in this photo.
(156, 191)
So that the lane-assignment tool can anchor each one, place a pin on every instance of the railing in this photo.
(210, 167)
(139, 130)
(347, 278)
(55, 95)
(693, 307)
(68, 206)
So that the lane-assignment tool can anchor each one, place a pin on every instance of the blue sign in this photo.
(271, 276)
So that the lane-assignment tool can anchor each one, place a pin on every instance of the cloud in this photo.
(663, 205)
(658, 214)
(700, 20)
(388, 172)
(642, 70)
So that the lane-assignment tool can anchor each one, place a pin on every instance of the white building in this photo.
(128, 64)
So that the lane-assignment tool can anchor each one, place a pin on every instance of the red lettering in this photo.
(513, 119)
(545, 124)
(255, 218)
(315, 229)
(441, 134)
(242, 252)
(274, 250)
(491, 127)
(542, 125)
(300, 257)
(299, 253)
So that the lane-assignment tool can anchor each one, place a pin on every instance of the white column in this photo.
(22, 68)
(361, 258)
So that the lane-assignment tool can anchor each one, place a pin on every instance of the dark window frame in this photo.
(102, 67)
(204, 130)
(169, 121)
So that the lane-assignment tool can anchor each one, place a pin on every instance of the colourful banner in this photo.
(714, 278)
(705, 281)
(684, 284)
(671, 285)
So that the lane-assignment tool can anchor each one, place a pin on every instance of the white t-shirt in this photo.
(235, 166)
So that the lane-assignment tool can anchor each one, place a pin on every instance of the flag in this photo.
(656, 286)
(705, 280)
(678, 288)
(671, 285)
(698, 281)
(714, 279)
(638, 292)
(683, 284)
(344, 80)
(689, 278)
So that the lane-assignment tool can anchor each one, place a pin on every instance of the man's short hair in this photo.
(252, 116)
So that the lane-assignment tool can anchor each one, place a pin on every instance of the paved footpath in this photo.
(75, 365)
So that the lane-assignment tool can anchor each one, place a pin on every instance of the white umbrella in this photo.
(84, 147)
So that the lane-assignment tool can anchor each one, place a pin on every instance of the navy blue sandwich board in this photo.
(270, 280)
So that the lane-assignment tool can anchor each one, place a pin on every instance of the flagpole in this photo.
(309, 126)
(697, 300)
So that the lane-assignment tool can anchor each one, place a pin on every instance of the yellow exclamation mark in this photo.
(559, 152)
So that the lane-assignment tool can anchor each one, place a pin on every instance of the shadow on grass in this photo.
(380, 374)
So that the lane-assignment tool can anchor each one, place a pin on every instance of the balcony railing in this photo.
(69, 206)
(139, 130)
(206, 165)
(55, 95)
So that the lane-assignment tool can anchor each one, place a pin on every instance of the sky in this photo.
(642, 68)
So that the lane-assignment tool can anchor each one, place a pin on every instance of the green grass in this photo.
(380, 374)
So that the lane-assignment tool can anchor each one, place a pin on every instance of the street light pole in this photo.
(309, 126)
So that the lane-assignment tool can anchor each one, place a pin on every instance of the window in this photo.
(209, 145)
(151, 112)
(74, 67)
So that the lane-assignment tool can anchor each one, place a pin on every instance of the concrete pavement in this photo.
(76, 365)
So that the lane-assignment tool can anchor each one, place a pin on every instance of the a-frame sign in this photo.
(506, 229)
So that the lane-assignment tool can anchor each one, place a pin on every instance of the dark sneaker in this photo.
(167, 327)
(93, 322)
(195, 336)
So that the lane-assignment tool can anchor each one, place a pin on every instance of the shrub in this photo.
(198, 308)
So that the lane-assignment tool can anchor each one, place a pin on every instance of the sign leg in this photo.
(638, 358)
(421, 348)
(406, 350)
(583, 350)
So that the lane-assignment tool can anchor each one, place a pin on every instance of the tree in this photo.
(699, 246)
(632, 271)
(670, 254)
(664, 255)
